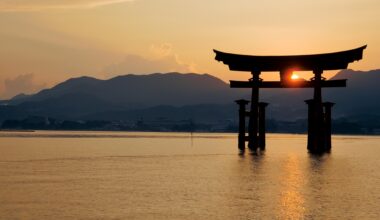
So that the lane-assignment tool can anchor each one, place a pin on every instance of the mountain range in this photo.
(175, 96)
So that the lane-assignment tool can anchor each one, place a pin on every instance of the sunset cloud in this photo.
(140, 65)
(38, 5)
(24, 83)
(162, 58)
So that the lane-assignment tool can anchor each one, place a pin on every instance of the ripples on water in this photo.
(117, 175)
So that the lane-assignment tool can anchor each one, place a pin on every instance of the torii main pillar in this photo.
(253, 126)
(319, 114)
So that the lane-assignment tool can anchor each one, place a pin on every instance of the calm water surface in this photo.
(116, 175)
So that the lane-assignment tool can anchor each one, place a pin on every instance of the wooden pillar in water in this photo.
(242, 113)
(262, 127)
(318, 145)
(310, 123)
(327, 107)
(253, 143)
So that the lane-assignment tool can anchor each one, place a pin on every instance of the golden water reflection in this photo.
(124, 175)
(292, 201)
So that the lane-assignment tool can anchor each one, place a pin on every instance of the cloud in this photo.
(161, 50)
(38, 5)
(21, 84)
(161, 59)
(137, 64)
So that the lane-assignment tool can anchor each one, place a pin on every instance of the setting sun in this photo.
(295, 76)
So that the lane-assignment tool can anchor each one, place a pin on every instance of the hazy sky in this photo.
(46, 41)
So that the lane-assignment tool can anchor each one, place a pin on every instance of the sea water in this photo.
(126, 175)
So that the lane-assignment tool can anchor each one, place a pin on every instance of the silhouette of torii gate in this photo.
(319, 113)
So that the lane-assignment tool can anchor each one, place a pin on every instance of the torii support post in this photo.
(328, 106)
(310, 125)
(253, 140)
(242, 114)
(262, 106)
(318, 143)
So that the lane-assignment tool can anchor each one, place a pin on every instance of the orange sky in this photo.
(46, 41)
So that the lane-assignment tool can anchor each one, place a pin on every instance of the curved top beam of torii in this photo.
(313, 62)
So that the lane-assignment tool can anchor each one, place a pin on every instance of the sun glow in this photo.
(295, 76)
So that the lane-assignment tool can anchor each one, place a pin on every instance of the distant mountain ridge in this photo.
(137, 91)
(175, 95)
(77, 97)
(360, 97)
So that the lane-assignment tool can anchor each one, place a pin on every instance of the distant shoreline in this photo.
(16, 130)
(182, 132)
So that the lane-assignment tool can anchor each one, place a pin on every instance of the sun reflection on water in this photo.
(292, 201)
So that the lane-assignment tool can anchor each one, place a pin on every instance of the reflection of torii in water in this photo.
(319, 122)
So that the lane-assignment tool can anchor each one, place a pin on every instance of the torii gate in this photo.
(319, 113)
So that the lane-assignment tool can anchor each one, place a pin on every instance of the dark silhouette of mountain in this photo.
(361, 95)
(86, 96)
(175, 96)
(21, 96)
(206, 113)
(68, 106)
(71, 86)
(142, 91)
(358, 98)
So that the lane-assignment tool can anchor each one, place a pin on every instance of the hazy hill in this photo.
(140, 91)
(183, 96)
(79, 97)
(206, 113)
(361, 97)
